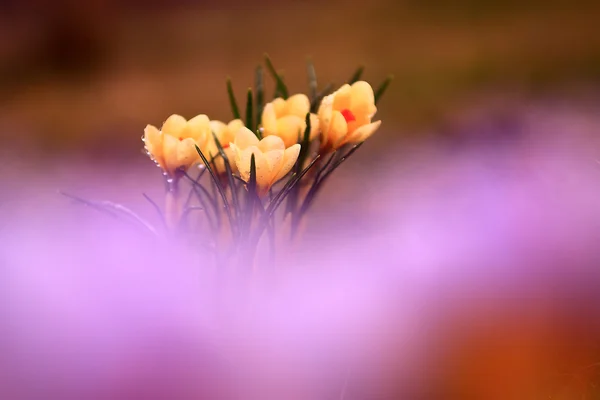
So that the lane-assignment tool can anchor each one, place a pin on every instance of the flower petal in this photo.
(290, 128)
(325, 115)
(186, 153)
(170, 144)
(198, 128)
(278, 106)
(290, 156)
(174, 125)
(244, 138)
(153, 141)
(274, 161)
(342, 98)
(363, 133)
(337, 130)
(297, 105)
(314, 126)
(269, 120)
(232, 128)
(363, 99)
(271, 143)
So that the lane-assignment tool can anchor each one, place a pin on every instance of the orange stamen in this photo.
(348, 116)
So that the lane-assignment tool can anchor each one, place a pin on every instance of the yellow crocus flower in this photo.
(287, 119)
(272, 159)
(174, 146)
(345, 116)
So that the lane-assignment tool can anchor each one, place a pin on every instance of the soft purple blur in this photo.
(409, 269)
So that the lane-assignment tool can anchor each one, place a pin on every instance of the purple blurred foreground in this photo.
(438, 240)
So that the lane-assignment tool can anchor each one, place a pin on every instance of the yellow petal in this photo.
(363, 133)
(325, 115)
(198, 128)
(174, 125)
(278, 106)
(153, 141)
(290, 128)
(314, 126)
(290, 156)
(218, 128)
(263, 170)
(269, 120)
(186, 153)
(297, 105)
(232, 128)
(342, 98)
(170, 147)
(274, 160)
(244, 138)
(271, 143)
(363, 100)
(337, 129)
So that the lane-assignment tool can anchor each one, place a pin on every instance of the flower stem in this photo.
(173, 204)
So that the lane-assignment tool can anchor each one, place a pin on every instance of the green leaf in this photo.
(260, 94)
(234, 198)
(383, 87)
(314, 104)
(304, 152)
(250, 112)
(234, 107)
(157, 209)
(218, 185)
(357, 75)
(308, 200)
(281, 88)
(312, 80)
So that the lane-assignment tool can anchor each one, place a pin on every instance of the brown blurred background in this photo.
(85, 77)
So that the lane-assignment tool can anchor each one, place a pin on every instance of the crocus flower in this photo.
(287, 119)
(174, 146)
(225, 133)
(345, 116)
(272, 159)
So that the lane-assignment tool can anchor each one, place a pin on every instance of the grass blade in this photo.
(219, 187)
(356, 75)
(383, 87)
(314, 104)
(234, 107)
(260, 94)
(157, 208)
(234, 198)
(312, 80)
(250, 112)
(281, 88)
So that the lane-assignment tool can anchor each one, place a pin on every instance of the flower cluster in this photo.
(344, 117)
(283, 138)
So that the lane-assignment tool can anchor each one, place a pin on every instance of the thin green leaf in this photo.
(383, 87)
(356, 75)
(288, 187)
(250, 111)
(304, 152)
(279, 198)
(260, 94)
(200, 190)
(218, 185)
(234, 107)
(114, 210)
(314, 104)
(312, 80)
(189, 198)
(234, 198)
(281, 88)
(317, 184)
(156, 208)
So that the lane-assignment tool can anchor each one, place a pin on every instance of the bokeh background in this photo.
(80, 80)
